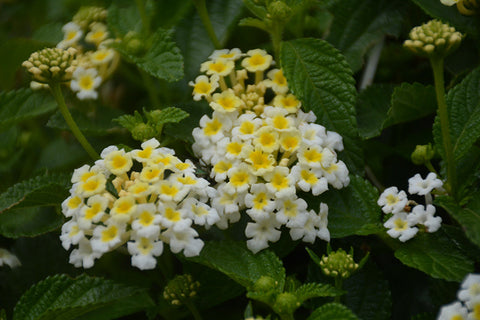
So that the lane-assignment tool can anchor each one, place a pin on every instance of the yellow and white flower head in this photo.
(204, 86)
(72, 33)
(141, 199)
(85, 82)
(98, 33)
(262, 148)
(102, 56)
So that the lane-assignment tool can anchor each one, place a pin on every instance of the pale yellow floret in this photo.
(123, 208)
(102, 56)
(212, 127)
(247, 128)
(279, 181)
(199, 210)
(257, 60)
(118, 162)
(400, 225)
(308, 176)
(74, 202)
(234, 148)
(226, 102)
(144, 246)
(260, 201)
(289, 103)
(109, 233)
(92, 211)
(146, 218)
(151, 173)
(139, 189)
(168, 189)
(240, 178)
(290, 208)
(290, 141)
(187, 180)
(391, 199)
(172, 215)
(220, 67)
(74, 231)
(97, 34)
(260, 161)
(222, 167)
(266, 139)
(93, 185)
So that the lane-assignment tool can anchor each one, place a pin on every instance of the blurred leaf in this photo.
(50, 33)
(462, 23)
(240, 264)
(368, 294)
(358, 25)
(253, 22)
(123, 17)
(437, 254)
(45, 190)
(29, 222)
(99, 124)
(59, 154)
(192, 38)
(468, 215)
(332, 311)
(61, 297)
(19, 105)
(321, 78)
(258, 10)
(168, 13)
(128, 121)
(161, 58)
(373, 104)
(167, 115)
(353, 210)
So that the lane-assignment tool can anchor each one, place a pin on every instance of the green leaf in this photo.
(23, 104)
(411, 102)
(253, 22)
(50, 33)
(99, 124)
(315, 290)
(368, 294)
(332, 311)
(192, 38)
(128, 121)
(358, 25)
(468, 215)
(61, 297)
(437, 254)
(237, 262)
(258, 10)
(321, 78)
(45, 190)
(167, 115)
(29, 222)
(353, 210)
(168, 13)
(123, 17)
(161, 59)
(462, 23)
(373, 104)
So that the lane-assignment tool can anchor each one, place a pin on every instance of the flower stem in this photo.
(57, 94)
(437, 66)
(150, 85)
(143, 16)
(202, 11)
(276, 35)
(338, 285)
(191, 307)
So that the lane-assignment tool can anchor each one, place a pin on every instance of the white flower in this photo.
(85, 81)
(84, 256)
(200, 212)
(8, 258)
(453, 311)
(417, 185)
(72, 33)
(107, 237)
(292, 210)
(315, 226)
(71, 234)
(392, 201)
(309, 179)
(280, 182)
(146, 221)
(449, 2)
(261, 232)
(183, 239)
(473, 305)
(143, 251)
(400, 227)
(259, 201)
(232, 54)
(425, 216)
(470, 287)
(204, 86)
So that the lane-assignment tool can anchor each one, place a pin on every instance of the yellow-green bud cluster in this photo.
(52, 65)
(422, 154)
(433, 39)
(143, 132)
(279, 10)
(180, 289)
(286, 302)
(86, 15)
(265, 283)
(338, 264)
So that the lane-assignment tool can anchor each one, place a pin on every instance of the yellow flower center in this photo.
(260, 160)
(146, 218)
(109, 234)
(145, 153)
(280, 123)
(93, 211)
(74, 231)
(124, 206)
(100, 55)
(267, 139)
(227, 55)
(202, 87)
(86, 82)
(290, 143)
(168, 190)
(186, 180)
(279, 78)
(150, 173)
(218, 67)
(309, 177)
(71, 35)
(290, 208)
(234, 148)
(91, 185)
(87, 175)
(172, 215)
(212, 127)
(312, 155)
(227, 103)
(199, 210)
(279, 181)
(260, 201)
(257, 60)
(74, 202)
(119, 162)
(145, 246)
(239, 179)
(247, 127)
(391, 199)
(400, 224)
(222, 167)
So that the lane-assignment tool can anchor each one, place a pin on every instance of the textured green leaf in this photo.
(368, 294)
(373, 104)
(23, 104)
(50, 33)
(45, 190)
(360, 24)
(464, 116)
(411, 102)
(123, 17)
(468, 215)
(99, 124)
(321, 78)
(61, 297)
(240, 264)
(168, 13)
(167, 115)
(437, 254)
(29, 222)
(332, 311)
(161, 59)
(315, 290)
(353, 210)
(255, 8)
(192, 38)
(128, 121)
(451, 15)
(253, 22)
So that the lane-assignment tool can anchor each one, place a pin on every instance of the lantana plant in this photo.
(240, 159)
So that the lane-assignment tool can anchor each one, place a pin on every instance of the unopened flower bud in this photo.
(86, 15)
(143, 132)
(133, 43)
(433, 39)
(338, 264)
(51, 65)
(279, 10)
(180, 289)
(422, 154)
(286, 302)
(265, 283)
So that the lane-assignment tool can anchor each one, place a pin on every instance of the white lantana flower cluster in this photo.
(402, 223)
(467, 307)
(88, 34)
(262, 152)
(153, 198)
